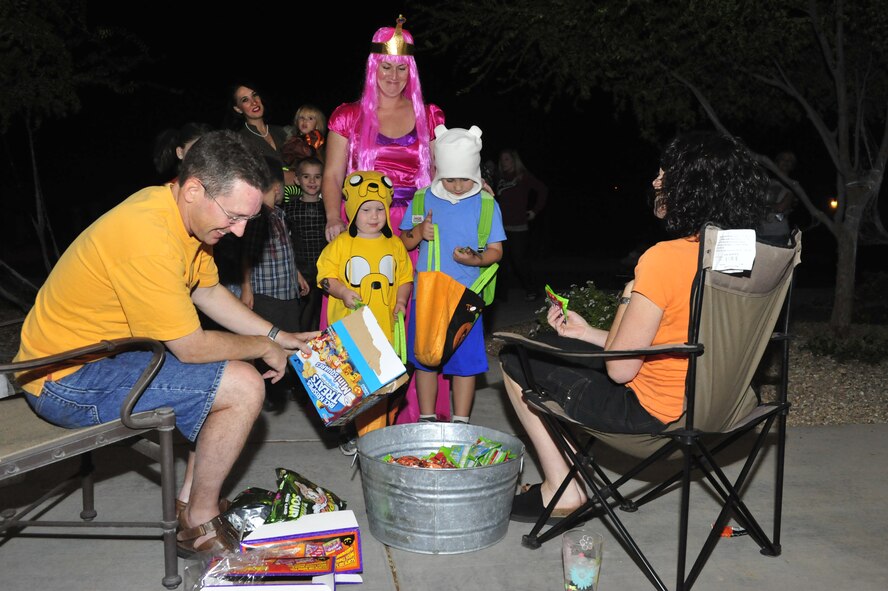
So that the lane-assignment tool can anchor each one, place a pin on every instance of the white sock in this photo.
(428, 418)
(459, 419)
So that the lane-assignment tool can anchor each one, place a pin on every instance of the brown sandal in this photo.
(224, 537)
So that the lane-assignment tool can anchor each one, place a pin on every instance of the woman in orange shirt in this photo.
(703, 177)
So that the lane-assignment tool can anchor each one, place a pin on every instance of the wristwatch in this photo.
(624, 300)
(273, 332)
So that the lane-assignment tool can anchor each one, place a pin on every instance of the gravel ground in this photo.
(822, 391)
(825, 392)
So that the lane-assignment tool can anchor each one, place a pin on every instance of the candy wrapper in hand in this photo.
(297, 496)
(556, 300)
(250, 509)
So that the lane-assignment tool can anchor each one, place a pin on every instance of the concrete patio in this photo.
(834, 519)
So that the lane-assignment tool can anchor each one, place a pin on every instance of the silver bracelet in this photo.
(624, 300)
(273, 332)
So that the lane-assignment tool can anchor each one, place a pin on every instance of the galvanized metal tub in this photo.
(447, 511)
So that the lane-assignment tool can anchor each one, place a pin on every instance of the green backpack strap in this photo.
(417, 209)
(433, 263)
(400, 344)
(487, 275)
(417, 215)
(485, 223)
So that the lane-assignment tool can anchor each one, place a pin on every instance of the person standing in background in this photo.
(389, 130)
(521, 197)
(775, 227)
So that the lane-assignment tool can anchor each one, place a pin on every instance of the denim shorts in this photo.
(94, 393)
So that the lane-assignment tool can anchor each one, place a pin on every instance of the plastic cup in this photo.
(581, 552)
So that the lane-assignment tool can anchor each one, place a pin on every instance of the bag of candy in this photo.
(297, 496)
(250, 509)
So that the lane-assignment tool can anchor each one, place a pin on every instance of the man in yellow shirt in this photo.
(142, 269)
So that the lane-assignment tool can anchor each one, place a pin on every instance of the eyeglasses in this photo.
(232, 219)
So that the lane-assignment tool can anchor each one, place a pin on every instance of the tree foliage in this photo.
(48, 52)
(675, 63)
(640, 50)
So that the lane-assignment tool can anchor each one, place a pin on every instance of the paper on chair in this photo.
(734, 251)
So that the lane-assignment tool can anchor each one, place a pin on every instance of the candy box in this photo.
(247, 580)
(258, 571)
(290, 545)
(352, 366)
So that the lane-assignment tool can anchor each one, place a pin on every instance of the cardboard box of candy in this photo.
(291, 545)
(352, 366)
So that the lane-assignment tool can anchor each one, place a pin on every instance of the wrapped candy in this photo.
(297, 496)
(250, 509)
(484, 452)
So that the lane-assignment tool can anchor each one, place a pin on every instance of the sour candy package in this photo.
(298, 496)
(556, 300)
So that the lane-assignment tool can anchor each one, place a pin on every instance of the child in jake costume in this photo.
(367, 265)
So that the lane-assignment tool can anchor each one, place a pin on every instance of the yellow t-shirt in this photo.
(131, 273)
(374, 268)
(664, 275)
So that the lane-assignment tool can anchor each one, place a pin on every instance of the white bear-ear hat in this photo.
(457, 156)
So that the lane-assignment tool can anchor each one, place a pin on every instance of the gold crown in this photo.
(397, 45)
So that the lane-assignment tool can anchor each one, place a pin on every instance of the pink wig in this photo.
(363, 150)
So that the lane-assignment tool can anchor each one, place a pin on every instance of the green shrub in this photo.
(867, 345)
(870, 304)
(596, 306)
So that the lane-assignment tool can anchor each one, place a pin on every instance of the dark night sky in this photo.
(594, 162)
(302, 54)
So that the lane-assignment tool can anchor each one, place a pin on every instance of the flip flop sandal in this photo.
(224, 538)
(527, 507)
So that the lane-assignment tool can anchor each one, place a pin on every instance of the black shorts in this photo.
(585, 392)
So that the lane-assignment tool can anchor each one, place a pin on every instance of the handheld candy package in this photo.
(556, 300)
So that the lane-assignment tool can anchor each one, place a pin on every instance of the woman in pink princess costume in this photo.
(390, 130)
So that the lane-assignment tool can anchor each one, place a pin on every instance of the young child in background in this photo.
(271, 283)
(306, 219)
(366, 265)
(453, 203)
(308, 138)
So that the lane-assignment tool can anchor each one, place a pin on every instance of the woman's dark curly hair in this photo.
(710, 178)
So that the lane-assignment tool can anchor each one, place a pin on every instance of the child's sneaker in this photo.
(348, 440)
(350, 447)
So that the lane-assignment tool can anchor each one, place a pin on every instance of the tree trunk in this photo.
(48, 247)
(846, 271)
(15, 288)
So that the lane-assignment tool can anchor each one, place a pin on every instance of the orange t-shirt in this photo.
(664, 275)
(131, 273)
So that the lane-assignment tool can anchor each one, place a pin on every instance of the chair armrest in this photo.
(780, 336)
(106, 349)
(676, 349)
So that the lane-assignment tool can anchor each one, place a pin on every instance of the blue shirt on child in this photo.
(457, 227)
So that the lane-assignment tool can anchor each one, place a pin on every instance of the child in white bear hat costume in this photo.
(453, 203)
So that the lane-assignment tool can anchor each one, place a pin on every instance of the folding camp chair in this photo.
(29, 442)
(732, 321)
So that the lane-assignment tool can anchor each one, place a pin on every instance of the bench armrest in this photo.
(106, 349)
